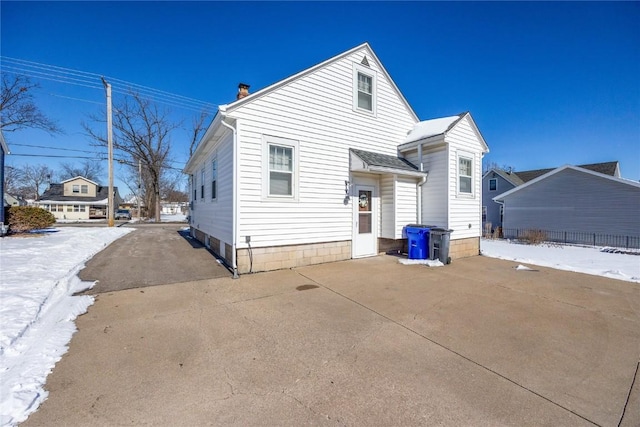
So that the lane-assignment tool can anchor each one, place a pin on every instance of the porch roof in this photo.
(383, 163)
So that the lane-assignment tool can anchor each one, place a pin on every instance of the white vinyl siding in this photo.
(465, 209)
(387, 207)
(215, 219)
(317, 111)
(406, 204)
(435, 195)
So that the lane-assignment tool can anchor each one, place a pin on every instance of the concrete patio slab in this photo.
(361, 342)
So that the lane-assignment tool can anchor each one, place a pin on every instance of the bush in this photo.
(534, 237)
(27, 218)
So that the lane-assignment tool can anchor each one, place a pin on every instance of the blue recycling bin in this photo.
(417, 241)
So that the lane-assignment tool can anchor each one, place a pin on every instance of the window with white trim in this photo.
(281, 168)
(493, 184)
(84, 189)
(214, 179)
(364, 89)
(76, 188)
(465, 175)
(194, 187)
(202, 183)
(484, 214)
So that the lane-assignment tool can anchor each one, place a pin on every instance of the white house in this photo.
(331, 164)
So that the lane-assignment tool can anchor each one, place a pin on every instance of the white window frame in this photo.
(361, 69)
(75, 188)
(214, 178)
(268, 141)
(202, 182)
(494, 180)
(84, 189)
(471, 158)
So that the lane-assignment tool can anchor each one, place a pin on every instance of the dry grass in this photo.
(534, 237)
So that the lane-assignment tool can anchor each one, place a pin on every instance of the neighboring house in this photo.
(498, 181)
(331, 164)
(77, 199)
(575, 200)
(174, 208)
(10, 200)
(4, 149)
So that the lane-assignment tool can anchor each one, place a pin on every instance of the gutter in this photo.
(234, 261)
(420, 184)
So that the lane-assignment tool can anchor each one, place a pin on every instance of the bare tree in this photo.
(198, 129)
(12, 179)
(486, 167)
(34, 178)
(141, 132)
(89, 169)
(17, 109)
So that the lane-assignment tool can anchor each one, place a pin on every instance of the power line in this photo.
(50, 148)
(90, 80)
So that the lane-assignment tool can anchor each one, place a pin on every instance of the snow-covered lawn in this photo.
(38, 277)
(596, 261)
(37, 308)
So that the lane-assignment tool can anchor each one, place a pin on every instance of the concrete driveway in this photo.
(361, 342)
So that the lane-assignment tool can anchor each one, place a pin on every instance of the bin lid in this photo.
(441, 230)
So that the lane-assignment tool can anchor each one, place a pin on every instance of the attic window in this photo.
(76, 188)
(493, 184)
(364, 61)
(364, 89)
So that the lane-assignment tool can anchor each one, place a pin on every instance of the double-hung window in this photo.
(465, 175)
(214, 179)
(202, 183)
(84, 189)
(364, 89)
(76, 188)
(281, 168)
(194, 186)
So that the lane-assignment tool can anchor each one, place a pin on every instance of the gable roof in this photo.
(510, 177)
(55, 193)
(384, 160)
(606, 168)
(82, 178)
(562, 168)
(235, 104)
(437, 129)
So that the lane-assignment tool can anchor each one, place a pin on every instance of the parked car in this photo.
(123, 214)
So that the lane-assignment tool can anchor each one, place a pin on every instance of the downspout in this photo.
(420, 184)
(234, 261)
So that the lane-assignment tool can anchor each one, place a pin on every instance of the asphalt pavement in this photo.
(153, 254)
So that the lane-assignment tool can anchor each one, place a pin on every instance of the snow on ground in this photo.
(173, 218)
(37, 281)
(38, 277)
(589, 260)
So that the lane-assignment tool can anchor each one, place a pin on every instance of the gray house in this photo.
(498, 181)
(577, 205)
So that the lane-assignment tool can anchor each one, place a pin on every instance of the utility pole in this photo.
(139, 186)
(110, 207)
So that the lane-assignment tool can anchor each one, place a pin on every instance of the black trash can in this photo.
(439, 240)
(417, 241)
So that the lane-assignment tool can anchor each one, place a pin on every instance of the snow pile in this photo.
(38, 280)
(595, 261)
(427, 262)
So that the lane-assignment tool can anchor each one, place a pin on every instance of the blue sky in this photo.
(547, 83)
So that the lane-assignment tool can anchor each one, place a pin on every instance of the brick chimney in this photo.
(243, 90)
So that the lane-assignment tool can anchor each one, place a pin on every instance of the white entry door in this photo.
(365, 222)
